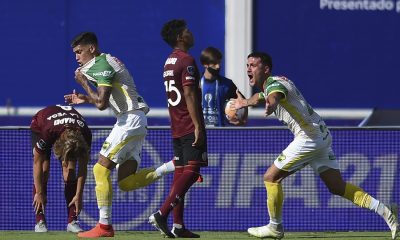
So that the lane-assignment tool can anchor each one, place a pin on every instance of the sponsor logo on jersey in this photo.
(190, 70)
(168, 73)
(105, 145)
(170, 61)
(190, 78)
(105, 73)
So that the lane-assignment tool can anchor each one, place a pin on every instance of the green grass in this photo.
(136, 235)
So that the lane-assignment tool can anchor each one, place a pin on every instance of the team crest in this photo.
(190, 70)
(281, 157)
(105, 145)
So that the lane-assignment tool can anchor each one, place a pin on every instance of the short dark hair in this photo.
(84, 38)
(171, 30)
(265, 58)
(210, 55)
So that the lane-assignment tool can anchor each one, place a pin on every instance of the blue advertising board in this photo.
(232, 196)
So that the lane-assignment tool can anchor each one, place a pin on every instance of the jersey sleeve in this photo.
(189, 71)
(38, 138)
(103, 72)
(275, 86)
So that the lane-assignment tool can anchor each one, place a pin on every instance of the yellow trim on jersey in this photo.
(123, 90)
(119, 146)
(103, 84)
(278, 91)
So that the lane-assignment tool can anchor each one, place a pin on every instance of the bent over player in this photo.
(182, 85)
(63, 129)
(311, 146)
(115, 89)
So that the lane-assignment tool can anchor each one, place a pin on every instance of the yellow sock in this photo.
(142, 178)
(103, 185)
(357, 196)
(274, 201)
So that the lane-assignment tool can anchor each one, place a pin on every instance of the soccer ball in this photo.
(235, 115)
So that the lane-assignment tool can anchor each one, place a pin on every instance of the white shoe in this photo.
(391, 218)
(74, 227)
(266, 232)
(41, 226)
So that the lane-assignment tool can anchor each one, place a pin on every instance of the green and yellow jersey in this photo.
(294, 110)
(106, 70)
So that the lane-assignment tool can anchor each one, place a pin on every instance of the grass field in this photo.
(134, 235)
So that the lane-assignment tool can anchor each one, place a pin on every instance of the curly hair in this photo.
(71, 145)
(171, 30)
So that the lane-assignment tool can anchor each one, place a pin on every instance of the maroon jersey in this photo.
(180, 70)
(50, 122)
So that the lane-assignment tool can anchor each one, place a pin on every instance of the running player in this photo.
(311, 146)
(63, 129)
(115, 89)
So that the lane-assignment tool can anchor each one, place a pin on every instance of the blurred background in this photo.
(342, 55)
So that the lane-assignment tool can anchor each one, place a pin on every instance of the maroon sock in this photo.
(177, 193)
(178, 209)
(69, 194)
(40, 215)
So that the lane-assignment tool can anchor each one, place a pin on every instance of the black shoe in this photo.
(160, 223)
(184, 233)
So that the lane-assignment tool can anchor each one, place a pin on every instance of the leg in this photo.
(336, 185)
(41, 225)
(272, 181)
(70, 184)
(130, 179)
(101, 171)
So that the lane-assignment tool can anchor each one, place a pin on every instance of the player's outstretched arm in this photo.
(241, 102)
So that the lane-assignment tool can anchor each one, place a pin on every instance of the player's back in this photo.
(51, 121)
(180, 70)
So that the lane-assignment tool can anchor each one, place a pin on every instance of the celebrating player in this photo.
(64, 129)
(115, 89)
(181, 80)
(311, 146)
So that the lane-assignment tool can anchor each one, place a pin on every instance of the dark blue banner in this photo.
(232, 196)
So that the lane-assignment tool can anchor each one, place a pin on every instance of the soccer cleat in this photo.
(74, 227)
(391, 218)
(41, 226)
(160, 223)
(183, 233)
(98, 231)
(266, 232)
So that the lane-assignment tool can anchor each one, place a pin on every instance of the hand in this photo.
(268, 108)
(198, 138)
(74, 98)
(238, 102)
(39, 202)
(77, 201)
(79, 77)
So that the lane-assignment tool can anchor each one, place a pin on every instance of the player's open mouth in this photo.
(250, 76)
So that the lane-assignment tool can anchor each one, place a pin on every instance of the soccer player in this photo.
(181, 80)
(63, 129)
(115, 89)
(311, 146)
(216, 90)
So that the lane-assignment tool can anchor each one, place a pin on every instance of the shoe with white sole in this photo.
(391, 218)
(74, 227)
(41, 226)
(266, 231)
